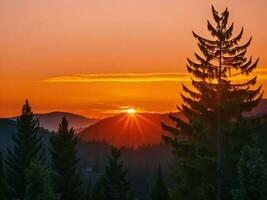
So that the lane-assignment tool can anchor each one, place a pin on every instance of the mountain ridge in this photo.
(114, 131)
(128, 130)
(51, 120)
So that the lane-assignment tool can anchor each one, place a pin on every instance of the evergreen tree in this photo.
(130, 194)
(65, 176)
(96, 165)
(194, 170)
(38, 185)
(3, 181)
(235, 136)
(116, 185)
(88, 193)
(252, 174)
(216, 100)
(159, 190)
(98, 192)
(27, 148)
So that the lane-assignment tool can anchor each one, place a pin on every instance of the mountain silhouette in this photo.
(8, 128)
(128, 130)
(259, 110)
(140, 129)
(51, 120)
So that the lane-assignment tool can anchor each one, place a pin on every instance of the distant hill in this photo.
(8, 128)
(140, 129)
(261, 109)
(51, 120)
(128, 130)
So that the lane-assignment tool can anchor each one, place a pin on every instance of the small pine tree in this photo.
(96, 165)
(116, 185)
(3, 181)
(252, 174)
(38, 185)
(159, 190)
(88, 193)
(98, 189)
(65, 176)
(27, 148)
(130, 194)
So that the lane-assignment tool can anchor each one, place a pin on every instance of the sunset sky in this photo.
(99, 57)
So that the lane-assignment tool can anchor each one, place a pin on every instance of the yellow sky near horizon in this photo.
(96, 57)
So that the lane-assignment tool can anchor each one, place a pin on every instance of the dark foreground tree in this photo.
(159, 190)
(3, 181)
(116, 185)
(252, 174)
(27, 149)
(65, 176)
(38, 186)
(216, 99)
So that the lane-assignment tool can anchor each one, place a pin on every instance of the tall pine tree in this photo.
(27, 149)
(216, 99)
(159, 190)
(65, 176)
(116, 185)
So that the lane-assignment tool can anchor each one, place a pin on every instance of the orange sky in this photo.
(120, 52)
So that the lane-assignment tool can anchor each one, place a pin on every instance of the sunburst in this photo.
(131, 111)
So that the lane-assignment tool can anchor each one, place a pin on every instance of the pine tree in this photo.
(98, 192)
(130, 194)
(27, 148)
(194, 170)
(88, 193)
(159, 190)
(252, 174)
(38, 185)
(116, 185)
(235, 136)
(96, 165)
(216, 99)
(3, 181)
(65, 176)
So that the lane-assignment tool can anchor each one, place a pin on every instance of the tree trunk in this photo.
(218, 134)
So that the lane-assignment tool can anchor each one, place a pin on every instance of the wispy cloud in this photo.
(145, 77)
(140, 77)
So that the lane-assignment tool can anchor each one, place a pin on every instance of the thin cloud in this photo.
(142, 77)
(91, 78)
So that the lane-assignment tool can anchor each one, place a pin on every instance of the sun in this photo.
(131, 111)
